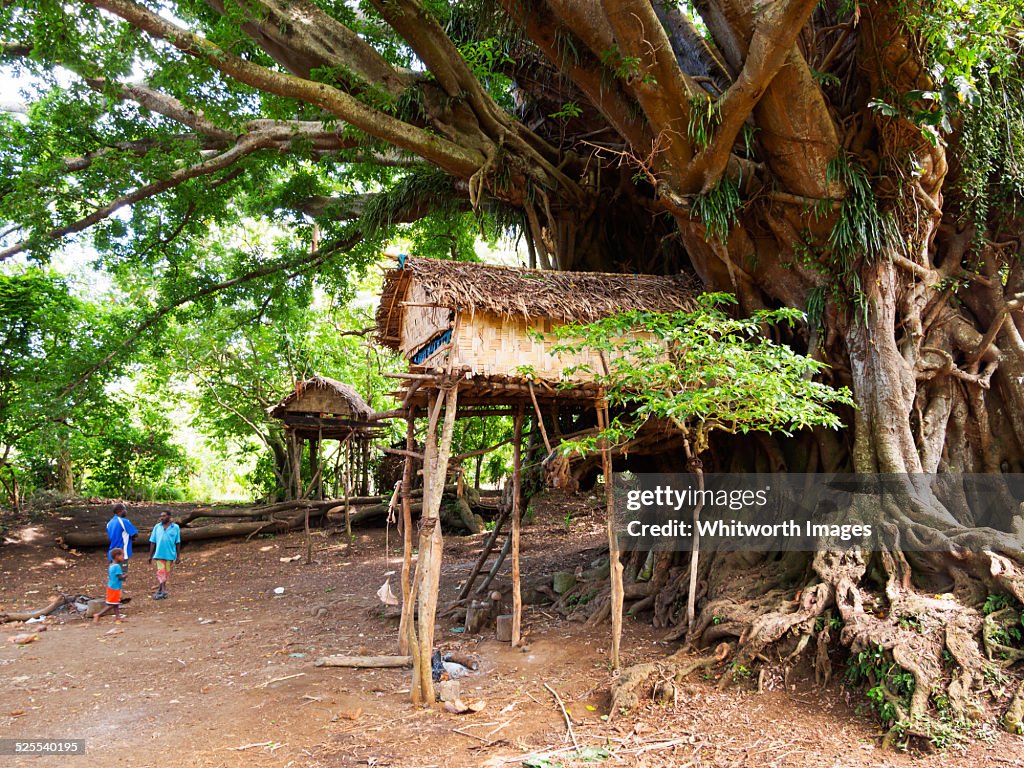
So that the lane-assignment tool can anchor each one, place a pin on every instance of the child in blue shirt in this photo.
(115, 580)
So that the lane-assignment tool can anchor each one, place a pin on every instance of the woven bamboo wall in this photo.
(420, 323)
(493, 346)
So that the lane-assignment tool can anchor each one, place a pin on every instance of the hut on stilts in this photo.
(326, 409)
(470, 333)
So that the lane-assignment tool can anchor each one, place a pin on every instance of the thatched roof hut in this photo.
(482, 319)
(323, 407)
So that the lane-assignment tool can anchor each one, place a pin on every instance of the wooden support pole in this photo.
(695, 466)
(428, 567)
(517, 462)
(336, 485)
(540, 420)
(318, 485)
(348, 490)
(484, 554)
(408, 607)
(364, 467)
(296, 450)
(505, 549)
(614, 559)
(316, 490)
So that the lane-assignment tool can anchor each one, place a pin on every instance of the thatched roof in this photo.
(561, 296)
(342, 394)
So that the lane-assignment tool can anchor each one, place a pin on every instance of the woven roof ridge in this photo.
(359, 406)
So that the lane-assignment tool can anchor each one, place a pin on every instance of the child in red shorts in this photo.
(115, 580)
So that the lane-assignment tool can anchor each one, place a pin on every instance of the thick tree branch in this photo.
(139, 148)
(696, 55)
(446, 154)
(776, 32)
(587, 72)
(301, 37)
(420, 30)
(796, 130)
(352, 207)
(660, 86)
(163, 104)
(418, 27)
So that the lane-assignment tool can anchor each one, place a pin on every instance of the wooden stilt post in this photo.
(336, 485)
(614, 559)
(346, 446)
(517, 461)
(296, 450)
(316, 490)
(505, 549)
(428, 566)
(364, 469)
(408, 607)
(695, 466)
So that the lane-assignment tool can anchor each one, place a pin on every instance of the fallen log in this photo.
(364, 662)
(269, 510)
(86, 539)
(263, 512)
(57, 602)
(361, 514)
(365, 514)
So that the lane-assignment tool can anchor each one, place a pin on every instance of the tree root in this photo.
(928, 650)
(1013, 718)
(911, 621)
(659, 678)
(995, 626)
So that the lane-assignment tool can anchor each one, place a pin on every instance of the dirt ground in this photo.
(222, 674)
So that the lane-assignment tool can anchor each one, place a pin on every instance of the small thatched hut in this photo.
(325, 409)
(478, 318)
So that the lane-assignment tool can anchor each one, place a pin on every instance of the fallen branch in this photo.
(568, 721)
(281, 679)
(364, 662)
(251, 746)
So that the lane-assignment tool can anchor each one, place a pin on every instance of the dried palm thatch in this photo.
(562, 297)
(323, 395)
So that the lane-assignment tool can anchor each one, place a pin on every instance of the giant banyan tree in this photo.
(861, 161)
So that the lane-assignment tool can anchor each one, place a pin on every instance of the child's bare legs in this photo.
(107, 609)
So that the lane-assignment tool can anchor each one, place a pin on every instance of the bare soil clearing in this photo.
(221, 673)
